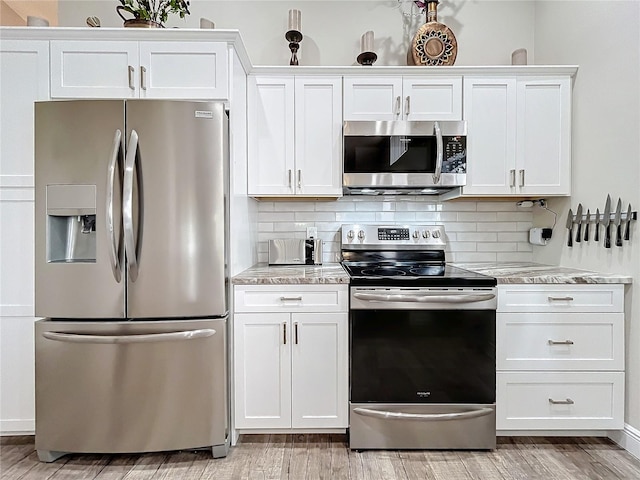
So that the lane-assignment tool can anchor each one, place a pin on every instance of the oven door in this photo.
(422, 368)
(404, 154)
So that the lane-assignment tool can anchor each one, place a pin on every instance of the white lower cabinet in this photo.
(560, 357)
(290, 356)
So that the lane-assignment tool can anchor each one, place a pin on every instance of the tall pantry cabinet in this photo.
(24, 79)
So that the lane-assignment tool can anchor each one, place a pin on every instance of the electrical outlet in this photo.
(312, 232)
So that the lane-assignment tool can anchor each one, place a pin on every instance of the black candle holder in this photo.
(294, 37)
(367, 58)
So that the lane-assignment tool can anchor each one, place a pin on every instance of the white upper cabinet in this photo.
(295, 136)
(518, 135)
(130, 69)
(403, 98)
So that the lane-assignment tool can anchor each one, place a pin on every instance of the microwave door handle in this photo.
(111, 177)
(127, 206)
(439, 153)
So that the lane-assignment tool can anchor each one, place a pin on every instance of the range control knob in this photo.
(350, 234)
(436, 234)
(426, 234)
(361, 234)
(416, 234)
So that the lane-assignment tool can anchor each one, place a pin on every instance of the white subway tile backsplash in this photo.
(514, 216)
(476, 217)
(284, 216)
(483, 231)
(478, 236)
(514, 257)
(356, 217)
(509, 206)
(469, 257)
(497, 247)
(513, 236)
(315, 216)
(375, 207)
(497, 227)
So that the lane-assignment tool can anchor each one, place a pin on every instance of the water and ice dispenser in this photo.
(71, 223)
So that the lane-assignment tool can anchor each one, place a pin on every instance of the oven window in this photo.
(423, 356)
(389, 154)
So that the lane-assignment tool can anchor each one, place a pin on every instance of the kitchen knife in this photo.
(628, 219)
(570, 227)
(616, 222)
(606, 221)
(579, 222)
(596, 237)
(586, 226)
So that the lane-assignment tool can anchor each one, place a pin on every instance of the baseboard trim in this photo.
(17, 427)
(629, 439)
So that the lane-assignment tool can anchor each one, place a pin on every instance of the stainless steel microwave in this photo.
(403, 157)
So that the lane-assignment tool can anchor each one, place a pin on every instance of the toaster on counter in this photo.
(293, 251)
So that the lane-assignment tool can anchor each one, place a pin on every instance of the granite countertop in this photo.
(504, 272)
(522, 272)
(263, 274)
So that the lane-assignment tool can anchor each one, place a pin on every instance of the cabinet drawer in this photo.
(560, 400)
(561, 298)
(301, 298)
(567, 341)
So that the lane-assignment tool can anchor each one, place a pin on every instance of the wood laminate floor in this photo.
(301, 457)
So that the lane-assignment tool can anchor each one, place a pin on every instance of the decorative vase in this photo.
(137, 22)
(434, 43)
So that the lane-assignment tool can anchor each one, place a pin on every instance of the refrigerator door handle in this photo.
(127, 206)
(111, 231)
(122, 339)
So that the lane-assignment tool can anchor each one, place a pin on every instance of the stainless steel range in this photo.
(422, 342)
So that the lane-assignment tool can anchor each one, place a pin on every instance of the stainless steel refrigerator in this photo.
(131, 275)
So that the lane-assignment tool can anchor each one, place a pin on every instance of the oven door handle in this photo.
(423, 417)
(426, 298)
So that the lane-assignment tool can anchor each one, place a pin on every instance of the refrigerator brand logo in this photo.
(204, 114)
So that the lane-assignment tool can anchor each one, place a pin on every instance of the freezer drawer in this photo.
(116, 387)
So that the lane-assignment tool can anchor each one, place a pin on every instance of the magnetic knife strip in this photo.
(620, 219)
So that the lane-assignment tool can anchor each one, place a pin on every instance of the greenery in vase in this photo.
(156, 10)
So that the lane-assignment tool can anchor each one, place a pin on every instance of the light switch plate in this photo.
(312, 232)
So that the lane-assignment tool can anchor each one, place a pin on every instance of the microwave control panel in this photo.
(455, 154)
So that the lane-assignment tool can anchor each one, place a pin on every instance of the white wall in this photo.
(603, 38)
(487, 31)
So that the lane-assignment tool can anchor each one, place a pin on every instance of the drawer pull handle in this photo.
(560, 299)
(562, 342)
(568, 401)
(291, 299)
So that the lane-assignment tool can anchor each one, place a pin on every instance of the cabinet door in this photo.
(544, 136)
(25, 79)
(372, 98)
(194, 70)
(262, 360)
(319, 370)
(318, 142)
(437, 98)
(490, 113)
(271, 135)
(81, 69)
